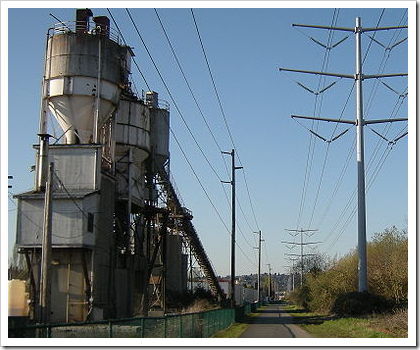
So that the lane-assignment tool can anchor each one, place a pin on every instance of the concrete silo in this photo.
(107, 223)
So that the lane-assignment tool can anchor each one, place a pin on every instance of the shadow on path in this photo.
(275, 322)
(284, 317)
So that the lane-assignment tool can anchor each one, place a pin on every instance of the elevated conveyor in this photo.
(192, 237)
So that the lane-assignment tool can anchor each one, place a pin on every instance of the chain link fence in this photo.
(194, 325)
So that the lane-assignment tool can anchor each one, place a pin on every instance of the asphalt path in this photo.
(274, 322)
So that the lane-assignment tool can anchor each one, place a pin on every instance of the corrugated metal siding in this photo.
(69, 225)
(76, 167)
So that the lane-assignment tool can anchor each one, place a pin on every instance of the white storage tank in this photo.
(76, 57)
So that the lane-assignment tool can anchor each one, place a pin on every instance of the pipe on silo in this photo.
(82, 20)
(102, 23)
(42, 162)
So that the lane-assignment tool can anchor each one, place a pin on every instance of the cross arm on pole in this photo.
(378, 121)
(323, 27)
(383, 28)
(318, 73)
(305, 243)
(326, 120)
(288, 242)
(385, 75)
(286, 229)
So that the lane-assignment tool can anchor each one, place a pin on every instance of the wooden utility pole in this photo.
(269, 281)
(45, 283)
(233, 240)
(259, 265)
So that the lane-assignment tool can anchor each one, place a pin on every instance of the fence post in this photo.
(192, 326)
(48, 332)
(110, 329)
(180, 326)
(165, 327)
(142, 327)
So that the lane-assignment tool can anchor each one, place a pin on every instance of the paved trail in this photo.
(274, 322)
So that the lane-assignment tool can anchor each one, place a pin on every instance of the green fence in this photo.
(194, 325)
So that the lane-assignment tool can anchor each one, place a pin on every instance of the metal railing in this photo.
(92, 28)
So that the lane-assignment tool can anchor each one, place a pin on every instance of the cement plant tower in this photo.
(118, 230)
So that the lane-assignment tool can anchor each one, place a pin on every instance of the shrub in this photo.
(388, 265)
(301, 296)
(331, 288)
(324, 287)
(359, 303)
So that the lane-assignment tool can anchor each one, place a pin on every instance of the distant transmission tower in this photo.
(360, 123)
(301, 244)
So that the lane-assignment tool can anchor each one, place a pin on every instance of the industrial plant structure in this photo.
(120, 237)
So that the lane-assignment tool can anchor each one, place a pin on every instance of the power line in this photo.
(223, 114)
(190, 88)
(186, 125)
(125, 43)
(372, 178)
(199, 109)
(171, 96)
(213, 82)
(351, 150)
(317, 107)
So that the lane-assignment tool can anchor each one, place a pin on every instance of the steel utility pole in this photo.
(233, 239)
(360, 123)
(259, 264)
(293, 271)
(301, 244)
(45, 282)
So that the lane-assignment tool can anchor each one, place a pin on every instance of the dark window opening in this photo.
(90, 222)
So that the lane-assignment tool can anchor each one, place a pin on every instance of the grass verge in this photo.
(346, 328)
(325, 326)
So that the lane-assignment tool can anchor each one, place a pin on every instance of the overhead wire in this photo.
(201, 113)
(189, 130)
(370, 181)
(351, 149)
(322, 80)
(125, 43)
(224, 115)
(190, 88)
(317, 109)
(171, 97)
(199, 109)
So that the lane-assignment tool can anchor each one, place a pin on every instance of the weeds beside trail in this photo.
(393, 325)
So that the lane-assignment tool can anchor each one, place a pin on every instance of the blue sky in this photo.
(245, 48)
